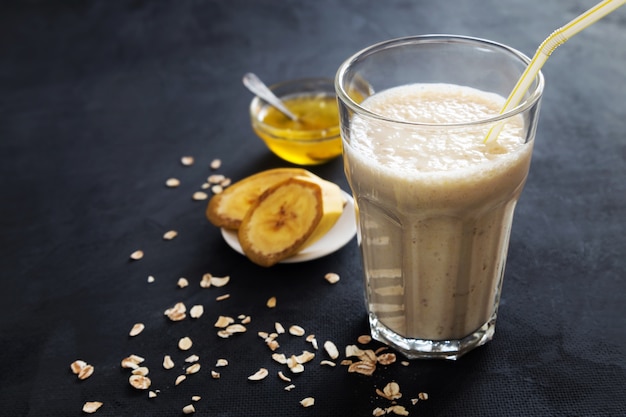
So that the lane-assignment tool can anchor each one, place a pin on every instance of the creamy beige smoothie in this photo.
(435, 207)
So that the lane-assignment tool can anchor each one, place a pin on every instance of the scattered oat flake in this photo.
(192, 369)
(271, 302)
(77, 365)
(187, 160)
(259, 375)
(308, 402)
(85, 372)
(215, 375)
(206, 280)
(170, 234)
(185, 343)
(386, 358)
(196, 398)
(192, 358)
(221, 362)
(224, 321)
(312, 340)
(246, 320)
(236, 328)
(132, 362)
(283, 377)
(390, 392)
(219, 281)
(331, 349)
(136, 329)
(139, 381)
(142, 370)
(152, 394)
(216, 178)
(216, 163)
(217, 189)
(91, 407)
(168, 363)
(414, 400)
(363, 368)
(289, 387)
(280, 358)
(328, 363)
(296, 330)
(279, 328)
(378, 412)
(332, 277)
(172, 182)
(196, 311)
(422, 396)
(136, 255)
(189, 409)
(364, 339)
(179, 379)
(176, 313)
(398, 410)
(405, 363)
(200, 195)
(150, 279)
(182, 282)
(222, 297)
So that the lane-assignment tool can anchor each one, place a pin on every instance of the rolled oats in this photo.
(136, 255)
(172, 182)
(187, 160)
(136, 329)
(296, 330)
(259, 375)
(85, 372)
(331, 349)
(192, 369)
(168, 363)
(139, 381)
(91, 407)
(196, 311)
(170, 234)
(216, 163)
(332, 277)
(176, 313)
(185, 343)
(199, 196)
(308, 402)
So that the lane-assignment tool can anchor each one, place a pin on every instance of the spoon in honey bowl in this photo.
(256, 86)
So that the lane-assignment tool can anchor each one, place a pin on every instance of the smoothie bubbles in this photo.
(435, 200)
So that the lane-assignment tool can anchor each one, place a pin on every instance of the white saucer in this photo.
(341, 233)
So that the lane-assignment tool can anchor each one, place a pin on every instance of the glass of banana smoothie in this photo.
(434, 199)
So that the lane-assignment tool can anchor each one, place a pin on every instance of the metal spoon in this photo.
(254, 84)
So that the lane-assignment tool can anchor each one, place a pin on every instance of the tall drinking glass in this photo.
(434, 199)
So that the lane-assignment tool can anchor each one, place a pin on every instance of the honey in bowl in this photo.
(314, 138)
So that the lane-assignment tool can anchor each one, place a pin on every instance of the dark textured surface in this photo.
(99, 100)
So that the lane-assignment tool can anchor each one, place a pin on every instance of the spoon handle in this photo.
(254, 84)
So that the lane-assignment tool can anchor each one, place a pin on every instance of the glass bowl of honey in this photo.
(314, 137)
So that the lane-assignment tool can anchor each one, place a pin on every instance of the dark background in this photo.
(100, 99)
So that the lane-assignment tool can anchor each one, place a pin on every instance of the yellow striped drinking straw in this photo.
(557, 38)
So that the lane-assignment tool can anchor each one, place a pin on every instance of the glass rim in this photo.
(531, 100)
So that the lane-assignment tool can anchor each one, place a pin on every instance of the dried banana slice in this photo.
(281, 221)
(228, 208)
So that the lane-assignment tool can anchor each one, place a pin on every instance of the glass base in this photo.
(438, 349)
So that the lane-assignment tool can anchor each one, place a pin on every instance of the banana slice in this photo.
(334, 202)
(281, 221)
(228, 208)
